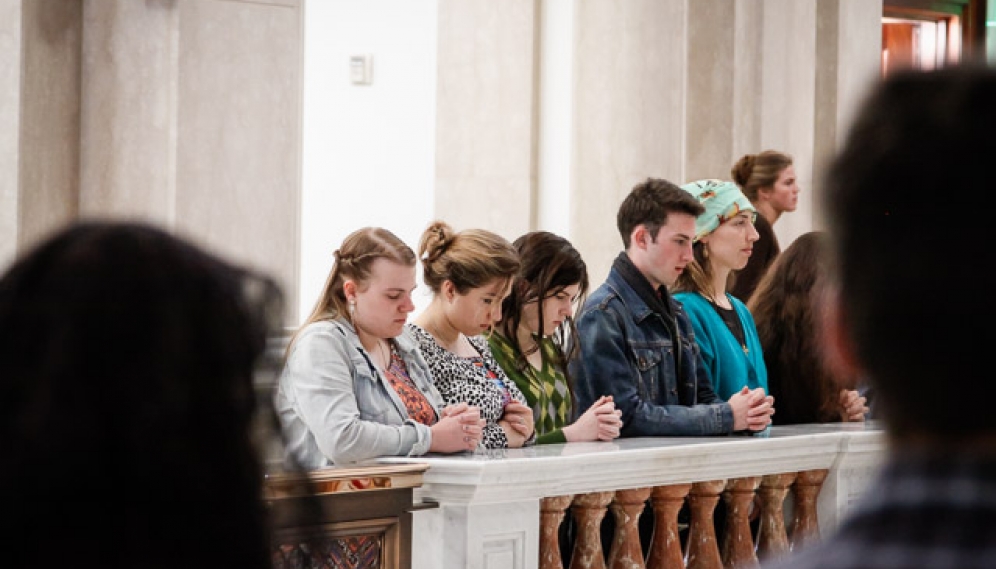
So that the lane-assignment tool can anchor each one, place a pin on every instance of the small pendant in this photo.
(746, 350)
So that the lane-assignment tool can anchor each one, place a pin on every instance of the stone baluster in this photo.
(665, 547)
(588, 511)
(805, 522)
(551, 516)
(702, 551)
(626, 551)
(772, 540)
(738, 542)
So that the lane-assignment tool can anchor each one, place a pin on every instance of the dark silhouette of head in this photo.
(913, 282)
(127, 358)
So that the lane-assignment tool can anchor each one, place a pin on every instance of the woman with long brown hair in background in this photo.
(787, 308)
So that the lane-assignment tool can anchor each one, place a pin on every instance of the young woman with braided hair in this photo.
(354, 385)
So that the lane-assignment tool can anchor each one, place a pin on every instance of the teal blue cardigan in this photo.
(722, 354)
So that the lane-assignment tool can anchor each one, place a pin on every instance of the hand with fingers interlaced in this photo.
(517, 422)
(601, 422)
(459, 428)
(854, 404)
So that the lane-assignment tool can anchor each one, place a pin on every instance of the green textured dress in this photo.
(546, 389)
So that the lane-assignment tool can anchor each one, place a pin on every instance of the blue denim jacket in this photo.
(335, 407)
(627, 351)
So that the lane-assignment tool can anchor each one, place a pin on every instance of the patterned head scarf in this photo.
(722, 200)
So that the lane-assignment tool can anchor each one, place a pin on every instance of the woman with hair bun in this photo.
(768, 180)
(354, 385)
(469, 273)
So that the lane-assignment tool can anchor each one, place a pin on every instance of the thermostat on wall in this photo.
(361, 69)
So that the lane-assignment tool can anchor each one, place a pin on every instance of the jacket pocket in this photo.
(648, 361)
(372, 400)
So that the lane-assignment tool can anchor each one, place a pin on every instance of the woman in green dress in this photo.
(533, 340)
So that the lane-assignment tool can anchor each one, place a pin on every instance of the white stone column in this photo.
(848, 50)
(710, 117)
(486, 115)
(39, 125)
(629, 113)
(190, 119)
(10, 126)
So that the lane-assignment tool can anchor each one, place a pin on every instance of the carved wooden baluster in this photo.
(551, 516)
(588, 511)
(805, 522)
(626, 551)
(772, 541)
(702, 551)
(738, 543)
(665, 547)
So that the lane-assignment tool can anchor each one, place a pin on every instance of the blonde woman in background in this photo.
(469, 273)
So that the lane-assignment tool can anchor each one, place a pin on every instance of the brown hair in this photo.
(549, 263)
(649, 204)
(787, 307)
(697, 276)
(469, 259)
(755, 171)
(353, 260)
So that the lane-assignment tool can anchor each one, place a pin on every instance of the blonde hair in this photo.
(353, 260)
(469, 259)
(755, 171)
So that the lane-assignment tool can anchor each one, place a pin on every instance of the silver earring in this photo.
(352, 307)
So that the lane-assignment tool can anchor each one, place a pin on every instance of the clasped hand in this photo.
(459, 428)
(601, 422)
(517, 422)
(855, 406)
(752, 409)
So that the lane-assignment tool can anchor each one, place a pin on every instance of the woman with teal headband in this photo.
(724, 328)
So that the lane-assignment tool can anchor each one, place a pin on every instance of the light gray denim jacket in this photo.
(335, 407)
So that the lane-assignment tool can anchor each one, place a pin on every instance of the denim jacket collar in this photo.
(405, 343)
(629, 297)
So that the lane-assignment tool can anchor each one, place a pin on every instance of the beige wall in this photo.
(665, 88)
(486, 104)
(182, 113)
(10, 126)
(187, 113)
(39, 119)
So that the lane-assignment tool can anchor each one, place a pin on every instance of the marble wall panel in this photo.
(49, 125)
(128, 110)
(10, 126)
(711, 86)
(747, 71)
(847, 49)
(39, 120)
(629, 113)
(238, 133)
(788, 94)
(485, 122)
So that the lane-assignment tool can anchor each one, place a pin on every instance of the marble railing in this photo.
(501, 509)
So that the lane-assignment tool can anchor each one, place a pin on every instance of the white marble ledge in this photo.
(553, 470)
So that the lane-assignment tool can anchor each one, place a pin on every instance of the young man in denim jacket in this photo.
(636, 343)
